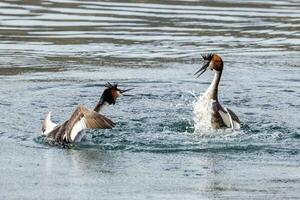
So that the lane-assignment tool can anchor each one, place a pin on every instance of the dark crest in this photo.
(208, 56)
(111, 86)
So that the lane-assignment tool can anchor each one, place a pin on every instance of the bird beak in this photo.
(203, 68)
(122, 91)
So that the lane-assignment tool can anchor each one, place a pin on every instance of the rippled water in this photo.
(56, 54)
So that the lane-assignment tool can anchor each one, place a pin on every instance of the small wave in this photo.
(215, 148)
(180, 136)
(199, 149)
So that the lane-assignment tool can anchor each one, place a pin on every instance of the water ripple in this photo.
(170, 30)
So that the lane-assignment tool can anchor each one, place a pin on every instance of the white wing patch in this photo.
(79, 126)
(236, 125)
(225, 118)
(228, 121)
(48, 125)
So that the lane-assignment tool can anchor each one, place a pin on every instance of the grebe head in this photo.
(112, 92)
(211, 61)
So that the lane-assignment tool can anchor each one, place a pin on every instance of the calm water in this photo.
(57, 54)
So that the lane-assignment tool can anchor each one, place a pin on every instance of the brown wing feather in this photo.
(75, 117)
(92, 120)
(58, 133)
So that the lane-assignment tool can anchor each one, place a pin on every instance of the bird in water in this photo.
(209, 113)
(82, 118)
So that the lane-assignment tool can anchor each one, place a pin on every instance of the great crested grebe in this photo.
(82, 118)
(209, 113)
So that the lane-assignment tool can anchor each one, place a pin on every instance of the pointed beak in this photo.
(122, 91)
(203, 68)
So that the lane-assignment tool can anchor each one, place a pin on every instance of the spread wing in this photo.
(81, 119)
(229, 118)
